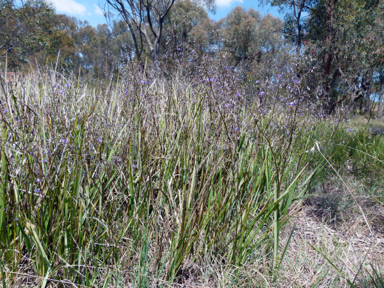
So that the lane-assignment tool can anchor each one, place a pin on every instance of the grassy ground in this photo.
(155, 183)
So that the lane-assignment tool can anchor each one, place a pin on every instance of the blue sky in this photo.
(90, 9)
(225, 6)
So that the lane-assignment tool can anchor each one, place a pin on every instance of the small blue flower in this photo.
(15, 219)
(119, 160)
(37, 190)
(134, 166)
(238, 94)
(296, 81)
(43, 161)
(38, 180)
(261, 93)
(291, 104)
(99, 140)
(64, 141)
(279, 75)
(257, 82)
(349, 130)
(68, 85)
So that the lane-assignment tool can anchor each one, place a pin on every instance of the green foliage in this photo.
(87, 181)
(24, 30)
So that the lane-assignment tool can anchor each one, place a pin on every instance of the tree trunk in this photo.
(367, 97)
(354, 107)
(329, 39)
(361, 104)
(380, 108)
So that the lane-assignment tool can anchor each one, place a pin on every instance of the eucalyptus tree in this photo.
(252, 40)
(184, 16)
(240, 35)
(145, 19)
(25, 30)
(347, 37)
(294, 18)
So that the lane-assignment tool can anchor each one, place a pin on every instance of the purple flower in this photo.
(237, 130)
(279, 75)
(257, 82)
(134, 166)
(64, 141)
(119, 160)
(144, 82)
(291, 104)
(238, 94)
(37, 190)
(229, 106)
(349, 130)
(61, 92)
(38, 180)
(296, 81)
(261, 93)
(68, 85)
(43, 161)
(121, 125)
(15, 219)
(99, 140)
(228, 68)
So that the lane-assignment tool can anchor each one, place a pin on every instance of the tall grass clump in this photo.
(145, 181)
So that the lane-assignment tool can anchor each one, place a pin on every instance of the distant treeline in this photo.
(335, 47)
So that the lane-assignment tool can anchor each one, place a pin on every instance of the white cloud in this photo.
(98, 10)
(68, 6)
(226, 3)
